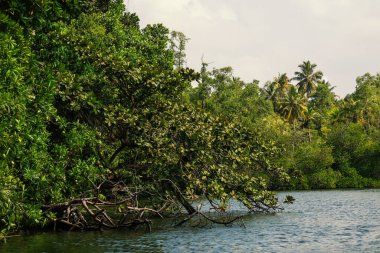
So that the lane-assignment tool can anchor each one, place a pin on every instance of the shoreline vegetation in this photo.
(102, 125)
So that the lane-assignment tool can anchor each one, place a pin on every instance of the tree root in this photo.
(93, 214)
(121, 209)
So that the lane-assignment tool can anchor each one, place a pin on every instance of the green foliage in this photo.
(220, 93)
(369, 162)
(325, 132)
(351, 179)
(348, 142)
(178, 42)
(322, 104)
(293, 105)
(324, 179)
(289, 199)
(314, 156)
(215, 158)
(277, 90)
(88, 97)
(11, 210)
(307, 79)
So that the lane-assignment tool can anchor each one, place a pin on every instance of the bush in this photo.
(324, 179)
(351, 179)
(312, 157)
(11, 210)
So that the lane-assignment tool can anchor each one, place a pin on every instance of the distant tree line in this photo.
(326, 142)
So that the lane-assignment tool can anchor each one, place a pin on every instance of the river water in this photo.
(318, 221)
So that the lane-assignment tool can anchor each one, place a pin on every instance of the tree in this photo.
(223, 94)
(307, 78)
(323, 98)
(277, 90)
(203, 91)
(283, 83)
(93, 116)
(178, 42)
(322, 103)
(367, 97)
(293, 105)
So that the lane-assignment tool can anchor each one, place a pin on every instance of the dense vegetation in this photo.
(94, 108)
(326, 142)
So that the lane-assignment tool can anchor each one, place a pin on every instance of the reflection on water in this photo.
(318, 221)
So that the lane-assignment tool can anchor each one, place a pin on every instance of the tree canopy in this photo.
(93, 114)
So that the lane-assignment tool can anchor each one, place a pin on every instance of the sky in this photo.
(261, 38)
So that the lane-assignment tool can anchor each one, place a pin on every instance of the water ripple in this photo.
(318, 221)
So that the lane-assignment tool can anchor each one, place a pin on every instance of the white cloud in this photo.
(325, 7)
(197, 10)
(227, 13)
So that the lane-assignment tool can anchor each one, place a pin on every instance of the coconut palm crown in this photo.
(307, 78)
(293, 106)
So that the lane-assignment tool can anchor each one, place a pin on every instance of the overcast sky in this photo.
(261, 38)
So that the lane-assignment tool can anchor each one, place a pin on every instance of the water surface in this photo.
(318, 221)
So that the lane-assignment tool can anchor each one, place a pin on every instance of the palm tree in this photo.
(282, 82)
(269, 90)
(293, 106)
(277, 89)
(307, 78)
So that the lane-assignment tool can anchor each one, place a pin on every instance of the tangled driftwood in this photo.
(94, 213)
(114, 206)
